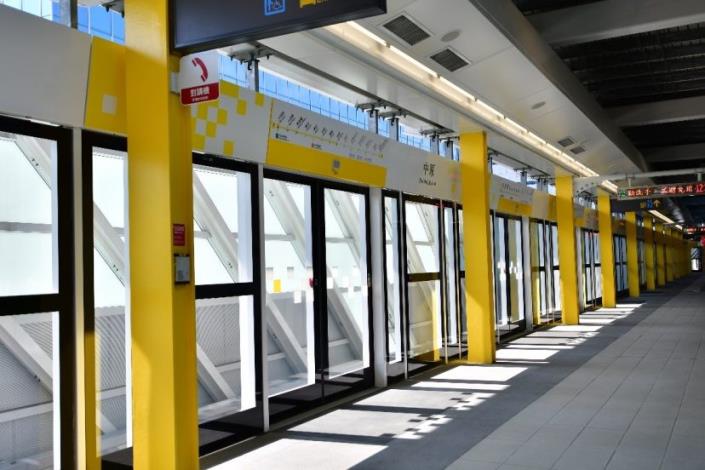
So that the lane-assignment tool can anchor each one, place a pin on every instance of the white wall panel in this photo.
(44, 71)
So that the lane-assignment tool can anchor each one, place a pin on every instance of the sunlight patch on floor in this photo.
(525, 354)
(286, 454)
(482, 373)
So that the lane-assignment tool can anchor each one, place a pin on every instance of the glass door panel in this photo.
(396, 365)
(509, 274)
(501, 293)
(424, 297)
(289, 303)
(110, 291)
(450, 251)
(516, 270)
(37, 331)
(346, 282)
(228, 319)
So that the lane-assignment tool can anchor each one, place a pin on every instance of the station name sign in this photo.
(199, 25)
(663, 190)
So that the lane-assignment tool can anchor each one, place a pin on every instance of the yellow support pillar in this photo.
(668, 245)
(567, 255)
(476, 181)
(164, 372)
(649, 253)
(660, 256)
(632, 254)
(609, 288)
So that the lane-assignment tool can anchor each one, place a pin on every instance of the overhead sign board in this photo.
(199, 25)
(694, 232)
(635, 205)
(199, 78)
(663, 190)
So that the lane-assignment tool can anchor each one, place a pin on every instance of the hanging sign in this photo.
(199, 25)
(636, 205)
(663, 190)
(199, 78)
(694, 232)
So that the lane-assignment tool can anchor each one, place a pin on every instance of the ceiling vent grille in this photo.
(407, 30)
(450, 60)
(566, 142)
(577, 150)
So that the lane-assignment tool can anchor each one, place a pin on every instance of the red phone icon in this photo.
(197, 62)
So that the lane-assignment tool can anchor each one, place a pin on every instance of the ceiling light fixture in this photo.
(363, 39)
(664, 218)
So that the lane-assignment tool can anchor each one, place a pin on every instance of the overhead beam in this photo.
(659, 112)
(674, 153)
(614, 18)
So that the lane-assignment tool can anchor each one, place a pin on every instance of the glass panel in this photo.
(543, 293)
(425, 320)
(461, 241)
(346, 263)
(557, 290)
(29, 372)
(28, 215)
(451, 276)
(110, 278)
(598, 282)
(394, 326)
(225, 334)
(422, 238)
(500, 252)
(289, 272)
(223, 225)
(516, 270)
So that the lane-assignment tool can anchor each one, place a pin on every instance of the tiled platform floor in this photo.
(624, 390)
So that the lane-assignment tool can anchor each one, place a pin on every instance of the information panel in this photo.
(199, 25)
(635, 205)
(663, 190)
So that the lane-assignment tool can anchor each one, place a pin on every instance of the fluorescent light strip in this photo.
(360, 37)
(662, 217)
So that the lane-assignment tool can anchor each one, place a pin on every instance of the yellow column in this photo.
(164, 374)
(660, 256)
(632, 254)
(567, 255)
(649, 253)
(475, 176)
(669, 255)
(609, 288)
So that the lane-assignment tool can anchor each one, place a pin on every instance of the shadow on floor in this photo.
(432, 420)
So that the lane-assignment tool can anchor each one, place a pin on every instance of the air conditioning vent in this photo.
(577, 150)
(407, 30)
(566, 142)
(450, 60)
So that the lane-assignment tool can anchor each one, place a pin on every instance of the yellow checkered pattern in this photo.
(212, 121)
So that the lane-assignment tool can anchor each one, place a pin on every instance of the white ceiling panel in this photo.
(500, 74)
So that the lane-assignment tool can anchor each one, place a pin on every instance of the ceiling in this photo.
(495, 70)
(644, 63)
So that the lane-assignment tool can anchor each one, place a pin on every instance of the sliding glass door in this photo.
(620, 264)
(509, 275)
(37, 318)
(228, 318)
(591, 276)
(318, 303)
(423, 280)
(394, 287)
(542, 271)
